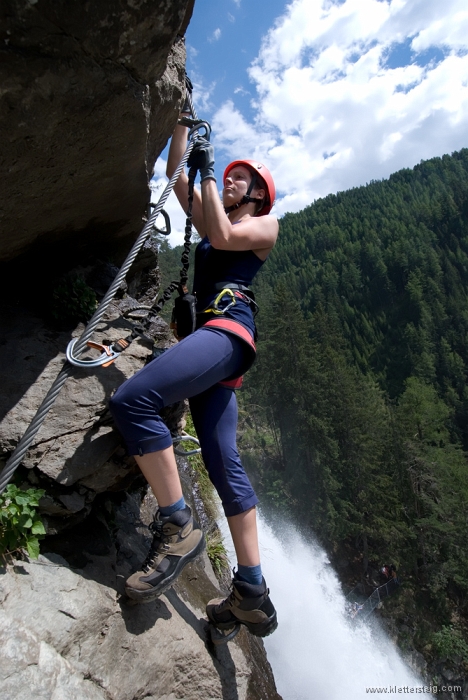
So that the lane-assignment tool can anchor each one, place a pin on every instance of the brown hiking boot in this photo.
(177, 541)
(248, 605)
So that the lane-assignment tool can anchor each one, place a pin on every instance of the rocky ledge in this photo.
(66, 630)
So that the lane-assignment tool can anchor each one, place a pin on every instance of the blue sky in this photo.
(222, 41)
(329, 94)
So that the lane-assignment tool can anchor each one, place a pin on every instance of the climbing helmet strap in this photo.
(246, 199)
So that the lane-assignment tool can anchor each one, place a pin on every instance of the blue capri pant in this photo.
(191, 369)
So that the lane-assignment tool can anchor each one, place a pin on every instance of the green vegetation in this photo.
(449, 642)
(217, 552)
(20, 526)
(358, 404)
(214, 542)
(72, 300)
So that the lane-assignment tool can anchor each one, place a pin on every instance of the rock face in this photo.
(90, 94)
(66, 632)
(66, 627)
(77, 437)
(77, 453)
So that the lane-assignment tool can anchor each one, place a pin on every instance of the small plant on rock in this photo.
(72, 300)
(217, 553)
(21, 527)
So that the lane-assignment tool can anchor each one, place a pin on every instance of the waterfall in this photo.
(318, 651)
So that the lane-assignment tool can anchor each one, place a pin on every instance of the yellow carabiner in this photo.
(214, 309)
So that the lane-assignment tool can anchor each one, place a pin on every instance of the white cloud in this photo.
(202, 93)
(241, 91)
(323, 86)
(215, 36)
(450, 31)
(235, 136)
(192, 52)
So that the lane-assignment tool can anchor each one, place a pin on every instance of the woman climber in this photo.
(204, 367)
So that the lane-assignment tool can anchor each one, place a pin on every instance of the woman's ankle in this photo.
(250, 574)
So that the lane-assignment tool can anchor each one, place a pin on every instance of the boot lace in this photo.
(231, 599)
(159, 542)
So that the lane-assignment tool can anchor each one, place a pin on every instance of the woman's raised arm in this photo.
(250, 233)
(176, 151)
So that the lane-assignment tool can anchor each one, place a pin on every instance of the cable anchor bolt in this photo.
(195, 125)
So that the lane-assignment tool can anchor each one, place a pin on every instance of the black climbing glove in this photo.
(202, 158)
(187, 107)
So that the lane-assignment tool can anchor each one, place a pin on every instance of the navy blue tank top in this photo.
(213, 266)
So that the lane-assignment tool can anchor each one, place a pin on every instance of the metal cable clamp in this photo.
(109, 353)
(185, 438)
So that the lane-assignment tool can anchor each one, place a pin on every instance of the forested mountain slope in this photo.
(390, 262)
(357, 409)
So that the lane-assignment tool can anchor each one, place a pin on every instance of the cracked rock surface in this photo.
(90, 94)
(77, 437)
(67, 633)
(77, 453)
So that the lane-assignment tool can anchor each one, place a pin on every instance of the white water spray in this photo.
(317, 651)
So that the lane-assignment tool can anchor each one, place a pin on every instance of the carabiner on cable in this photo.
(195, 125)
(108, 354)
(164, 231)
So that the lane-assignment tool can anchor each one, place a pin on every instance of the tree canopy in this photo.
(359, 395)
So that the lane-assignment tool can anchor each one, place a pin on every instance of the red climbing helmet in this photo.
(257, 169)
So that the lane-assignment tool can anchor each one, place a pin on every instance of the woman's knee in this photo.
(127, 399)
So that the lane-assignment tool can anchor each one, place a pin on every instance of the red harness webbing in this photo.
(227, 324)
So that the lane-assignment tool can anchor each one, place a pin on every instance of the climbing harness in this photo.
(234, 291)
(213, 308)
(108, 354)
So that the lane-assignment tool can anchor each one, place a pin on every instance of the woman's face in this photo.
(236, 185)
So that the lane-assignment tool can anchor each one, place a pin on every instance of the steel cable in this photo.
(67, 370)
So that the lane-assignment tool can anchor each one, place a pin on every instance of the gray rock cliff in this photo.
(67, 632)
(90, 95)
